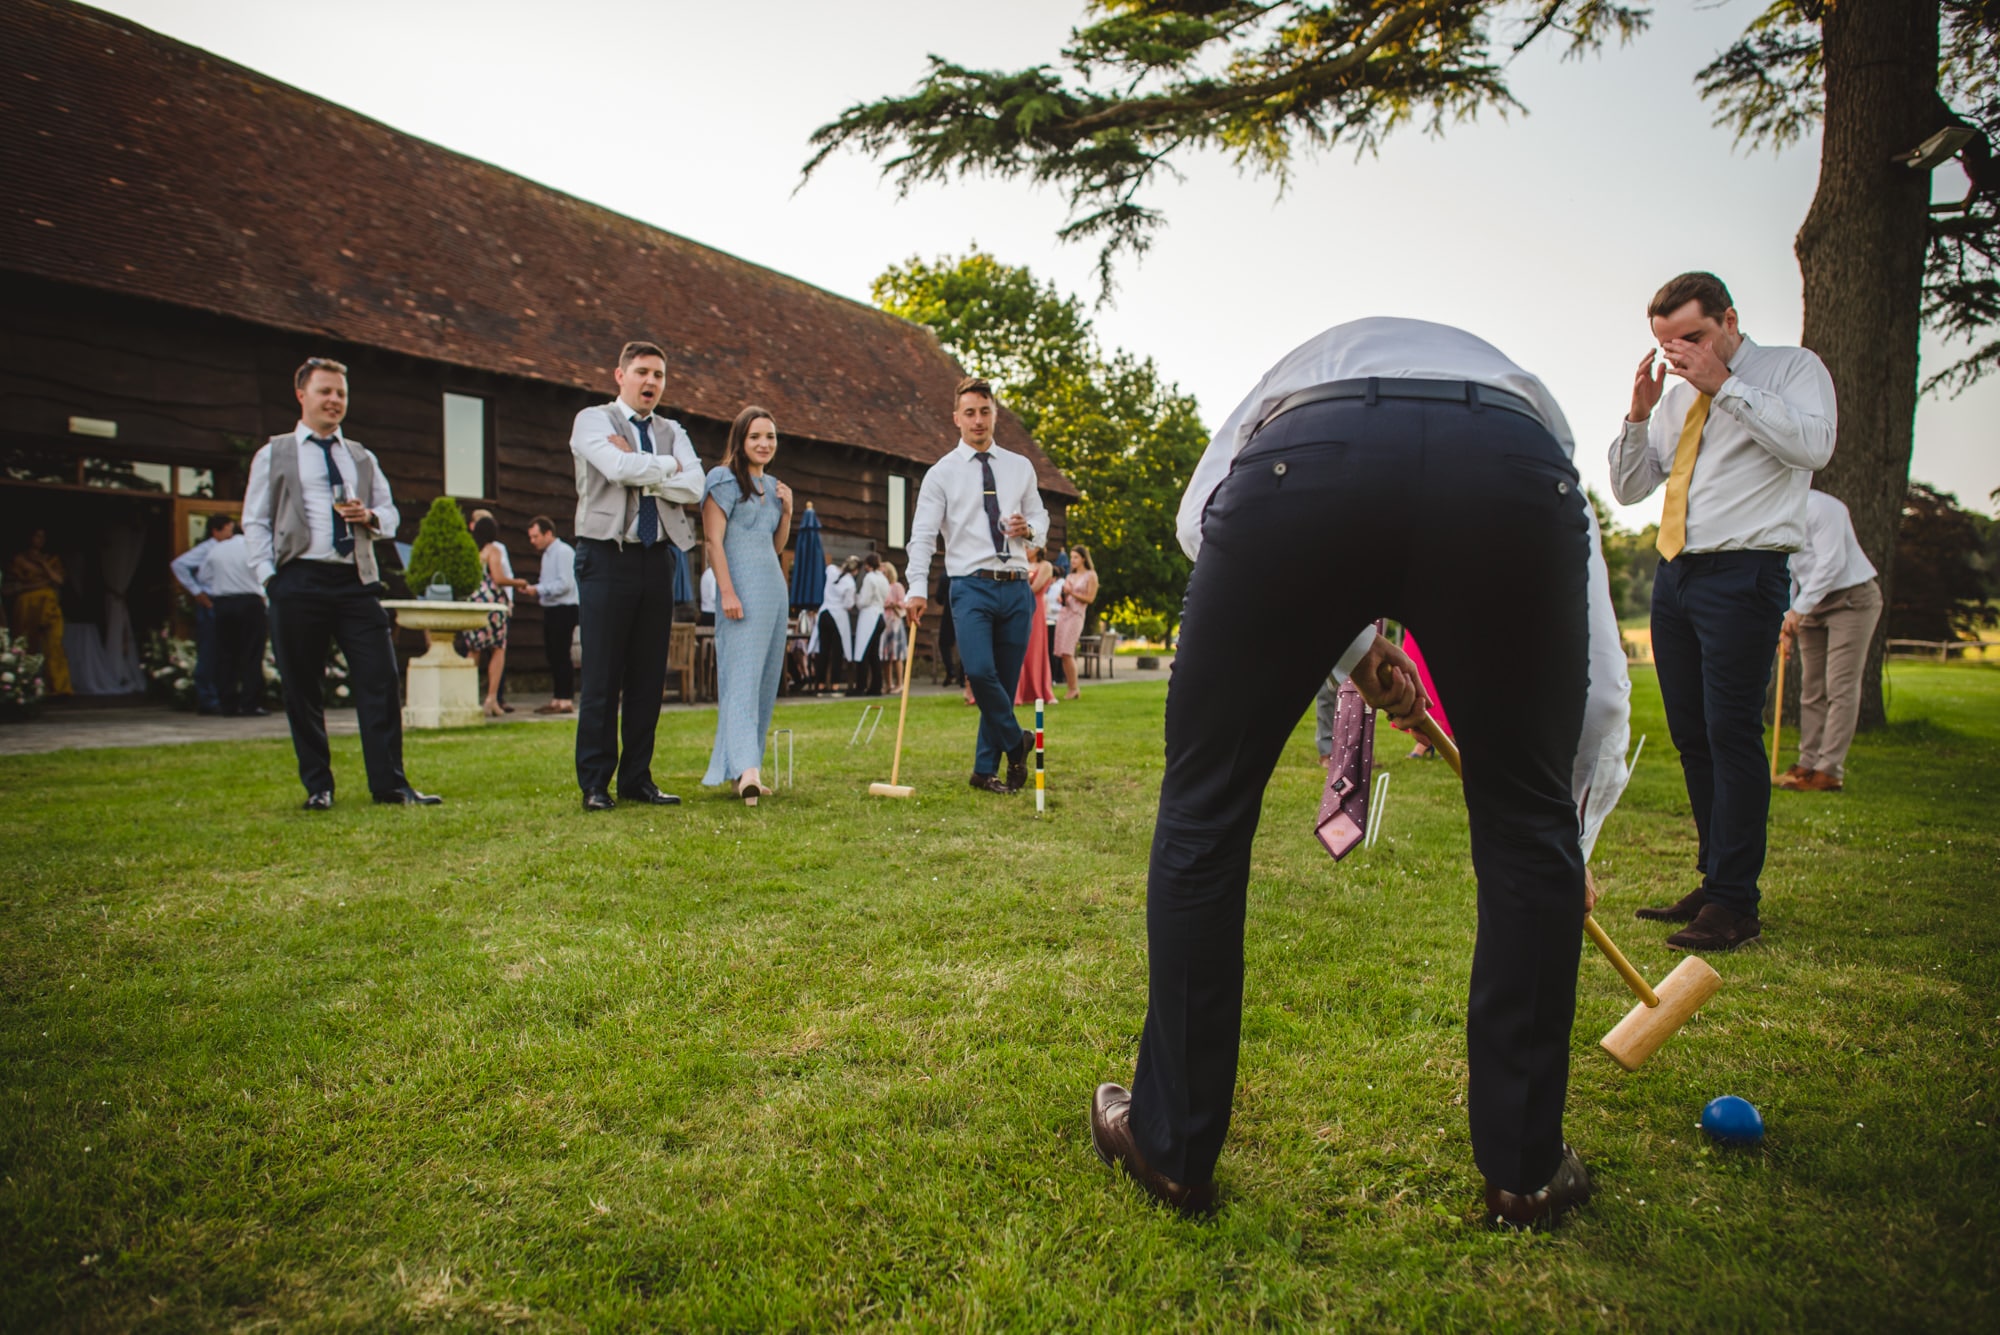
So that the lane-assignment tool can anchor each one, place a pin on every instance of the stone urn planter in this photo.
(443, 690)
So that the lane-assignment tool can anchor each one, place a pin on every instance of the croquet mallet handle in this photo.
(903, 710)
(1633, 978)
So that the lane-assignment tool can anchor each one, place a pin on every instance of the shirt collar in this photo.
(965, 451)
(306, 433)
(1742, 349)
(629, 413)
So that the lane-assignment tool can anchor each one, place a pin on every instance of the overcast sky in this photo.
(1544, 234)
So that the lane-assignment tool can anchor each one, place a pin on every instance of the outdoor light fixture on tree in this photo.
(1148, 82)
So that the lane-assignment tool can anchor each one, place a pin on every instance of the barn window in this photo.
(466, 460)
(899, 510)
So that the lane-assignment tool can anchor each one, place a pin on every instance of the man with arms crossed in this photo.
(634, 471)
(984, 502)
(1318, 470)
(1736, 443)
(315, 503)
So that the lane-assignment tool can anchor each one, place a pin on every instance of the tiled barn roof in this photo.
(141, 165)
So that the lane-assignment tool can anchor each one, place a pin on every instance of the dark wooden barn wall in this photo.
(191, 388)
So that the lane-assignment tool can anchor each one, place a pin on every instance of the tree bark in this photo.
(1861, 254)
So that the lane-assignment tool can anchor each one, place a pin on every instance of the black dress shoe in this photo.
(1717, 929)
(1111, 1133)
(1569, 1188)
(1683, 909)
(649, 795)
(1017, 767)
(320, 801)
(990, 783)
(407, 797)
(598, 800)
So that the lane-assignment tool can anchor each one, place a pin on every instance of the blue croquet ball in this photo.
(1733, 1121)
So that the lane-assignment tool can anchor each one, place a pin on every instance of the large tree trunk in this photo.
(1861, 253)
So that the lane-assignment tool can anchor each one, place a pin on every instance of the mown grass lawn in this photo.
(826, 1063)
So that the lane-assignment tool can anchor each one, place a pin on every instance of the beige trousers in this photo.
(1833, 647)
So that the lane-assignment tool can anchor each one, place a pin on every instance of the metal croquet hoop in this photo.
(772, 742)
(1040, 777)
(862, 722)
(1378, 805)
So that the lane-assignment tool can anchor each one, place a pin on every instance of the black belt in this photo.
(1376, 387)
(1001, 576)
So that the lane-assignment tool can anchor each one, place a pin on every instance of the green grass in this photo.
(826, 1063)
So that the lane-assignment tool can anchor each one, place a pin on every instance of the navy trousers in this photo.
(993, 620)
(1716, 617)
(1321, 497)
(627, 599)
(207, 665)
(314, 603)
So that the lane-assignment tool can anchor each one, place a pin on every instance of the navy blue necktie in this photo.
(992, 504)
(343, 534)
(649, 513)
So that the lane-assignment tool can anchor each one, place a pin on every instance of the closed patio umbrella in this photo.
(808, 563)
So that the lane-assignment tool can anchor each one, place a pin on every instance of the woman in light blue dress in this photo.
(746, 516)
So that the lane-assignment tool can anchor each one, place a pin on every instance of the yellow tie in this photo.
(1674, 518)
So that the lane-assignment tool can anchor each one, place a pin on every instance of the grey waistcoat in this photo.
(291, 536)
(605, 509)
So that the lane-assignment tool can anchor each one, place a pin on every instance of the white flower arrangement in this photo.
(21, 684)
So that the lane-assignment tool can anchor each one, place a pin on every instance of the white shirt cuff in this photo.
(1362, 644)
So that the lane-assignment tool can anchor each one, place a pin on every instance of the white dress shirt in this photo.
(952, 501)
(227, 570)
(708, 589)
(187, 568)
(1770, 425)
(1831, 558)
(671, 473)
(874, 592)
(318, 498)
(556, 585)
(1419, 350)
(839, 590)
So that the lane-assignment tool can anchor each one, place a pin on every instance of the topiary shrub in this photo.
(443, 547)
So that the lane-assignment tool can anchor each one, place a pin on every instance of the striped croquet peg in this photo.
(1040, 776)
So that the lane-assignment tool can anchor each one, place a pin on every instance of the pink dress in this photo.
(1082, 588)
(1036, 682)
(1430, 687)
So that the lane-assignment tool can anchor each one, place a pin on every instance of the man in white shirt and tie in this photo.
(634, 471)
(985, 503)
(1735, 443)
(1317, 471)
(315, 503)
(240, 629)
(1836, 601)
(184, 567)
(555, 589)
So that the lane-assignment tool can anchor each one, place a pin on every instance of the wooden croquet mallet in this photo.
(1778, 707)
(1659, 1014)
(892, 788)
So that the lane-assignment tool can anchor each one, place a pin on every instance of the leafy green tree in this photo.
(1145, 83)
(1941, 593)
(1125, 437)
(443, 547)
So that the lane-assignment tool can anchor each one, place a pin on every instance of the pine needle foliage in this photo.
(444, 547)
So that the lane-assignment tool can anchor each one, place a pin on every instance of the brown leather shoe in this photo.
(1717, 929)
(1683, 909)
(1017, 767)
(1789, 780)
(1569, 1188)
(990, 783)
(1111, 1133)
(1819, 781)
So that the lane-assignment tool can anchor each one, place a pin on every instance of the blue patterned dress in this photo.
(749, 654)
